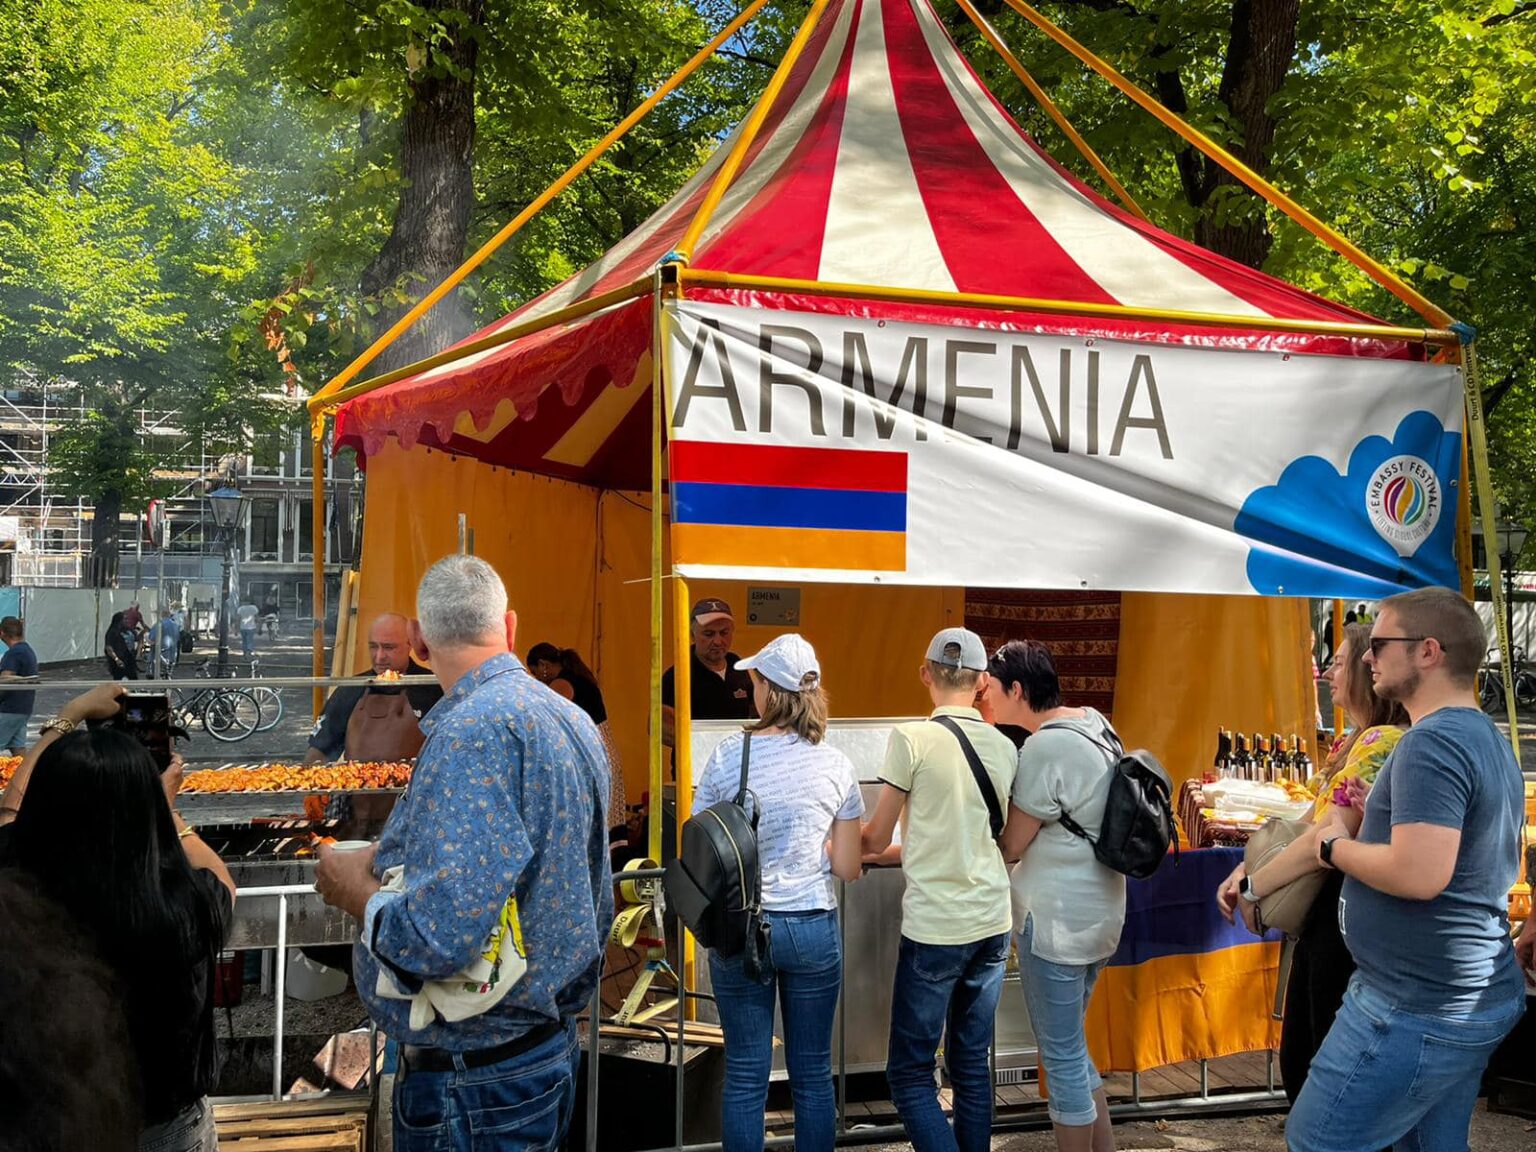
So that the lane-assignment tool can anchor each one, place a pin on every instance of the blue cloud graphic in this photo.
(1319, 537)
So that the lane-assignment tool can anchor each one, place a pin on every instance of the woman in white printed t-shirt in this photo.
(807, 833)
(1067, 907)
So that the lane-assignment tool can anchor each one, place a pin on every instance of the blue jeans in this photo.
(248, 641)
(519, 1105)
(804, 972)
(949, 989)
(1057, 996)
(1389, 1078)
(13, 730)
(191, 1130)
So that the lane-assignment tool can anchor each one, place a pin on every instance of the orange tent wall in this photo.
(576, 562)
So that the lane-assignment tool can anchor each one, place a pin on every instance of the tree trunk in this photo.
(1260, 48)
(437, 139)
(104, 539)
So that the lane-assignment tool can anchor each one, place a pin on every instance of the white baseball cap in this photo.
(788, 661)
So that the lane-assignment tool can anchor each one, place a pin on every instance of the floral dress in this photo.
(1366, 758)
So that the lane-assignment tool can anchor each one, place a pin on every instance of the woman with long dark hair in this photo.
(567, 673)
(95, 828)
(122, 659)
(1321, 964)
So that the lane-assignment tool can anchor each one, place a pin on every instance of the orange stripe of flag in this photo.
(729, 546)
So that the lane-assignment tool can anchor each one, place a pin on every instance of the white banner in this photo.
(812, 447)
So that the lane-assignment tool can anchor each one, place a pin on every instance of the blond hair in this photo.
(952, 679)
(804, 712)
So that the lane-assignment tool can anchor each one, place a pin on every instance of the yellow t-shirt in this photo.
(1366, 758)
(957, 884)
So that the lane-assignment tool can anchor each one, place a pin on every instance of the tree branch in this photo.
(1505, 17)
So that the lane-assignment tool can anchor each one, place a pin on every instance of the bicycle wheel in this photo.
(1491, 692)
(231, 715)
(271, 701)
(1525, 689)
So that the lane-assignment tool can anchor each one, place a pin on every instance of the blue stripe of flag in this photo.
(755, 506)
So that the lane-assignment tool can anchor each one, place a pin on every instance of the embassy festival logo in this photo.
(1368, 530)
(1403, 501)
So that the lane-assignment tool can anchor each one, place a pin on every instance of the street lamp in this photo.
(1511, 543)
(227, 503)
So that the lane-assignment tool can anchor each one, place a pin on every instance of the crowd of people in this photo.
(490, 889)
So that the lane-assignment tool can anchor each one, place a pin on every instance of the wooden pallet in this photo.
(332, 1124)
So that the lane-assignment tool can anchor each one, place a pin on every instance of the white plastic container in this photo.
(307, 980)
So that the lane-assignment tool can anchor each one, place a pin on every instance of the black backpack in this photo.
(1138, 827)
(715, 881)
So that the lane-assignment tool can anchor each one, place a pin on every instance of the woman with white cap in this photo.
(808, 832)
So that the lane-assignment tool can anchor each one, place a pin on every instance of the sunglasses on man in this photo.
(1380, 642)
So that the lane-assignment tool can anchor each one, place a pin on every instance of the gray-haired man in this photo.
(509, 797)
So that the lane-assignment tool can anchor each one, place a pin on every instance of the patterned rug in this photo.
(1082, 630)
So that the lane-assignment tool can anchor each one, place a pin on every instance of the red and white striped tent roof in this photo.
(885, 161)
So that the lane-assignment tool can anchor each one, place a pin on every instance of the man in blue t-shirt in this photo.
(15, 707)
(1424, 909)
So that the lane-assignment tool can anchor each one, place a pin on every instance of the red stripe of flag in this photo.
(847, 469)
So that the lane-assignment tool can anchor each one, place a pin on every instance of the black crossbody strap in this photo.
(988, 793)
(747, 753)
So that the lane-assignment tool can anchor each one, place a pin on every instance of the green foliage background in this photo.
(191, 190)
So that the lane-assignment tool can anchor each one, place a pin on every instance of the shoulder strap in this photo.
(746, 755)
(988, 793)
(1065, 819)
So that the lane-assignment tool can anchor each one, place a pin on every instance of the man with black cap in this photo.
(718, 690)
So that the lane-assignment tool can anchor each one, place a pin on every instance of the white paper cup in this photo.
(351, 845)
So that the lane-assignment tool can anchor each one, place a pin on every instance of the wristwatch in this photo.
(1325, 850)
(1245, 890)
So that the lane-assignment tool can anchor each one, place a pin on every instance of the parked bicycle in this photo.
(226, 714)
(270, 699)
(1490, 681)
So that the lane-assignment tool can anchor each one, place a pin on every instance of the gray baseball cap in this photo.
(971, 653)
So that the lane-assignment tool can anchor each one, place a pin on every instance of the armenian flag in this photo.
(786, 507)
(1184, 984)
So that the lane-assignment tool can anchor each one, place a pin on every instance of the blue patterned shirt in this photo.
(510, 792)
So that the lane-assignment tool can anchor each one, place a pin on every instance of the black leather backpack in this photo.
(715, 881)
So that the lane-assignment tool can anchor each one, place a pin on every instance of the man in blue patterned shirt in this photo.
(509, 796)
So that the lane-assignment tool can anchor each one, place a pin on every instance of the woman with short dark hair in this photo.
(95, 828)
(1068, 909)
(567, 674)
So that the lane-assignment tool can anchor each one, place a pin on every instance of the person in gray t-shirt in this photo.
(1424, 905)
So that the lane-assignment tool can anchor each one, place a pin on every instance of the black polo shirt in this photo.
(712, 696)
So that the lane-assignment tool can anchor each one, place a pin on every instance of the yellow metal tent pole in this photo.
(1431, 312)
(1338, 705)
(682, 734)
(317, 552)
(749, 131)
(658, 414)
(598, 303)
(426, 303)
(1482, 475)
(711, 278)
(1055, 113)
